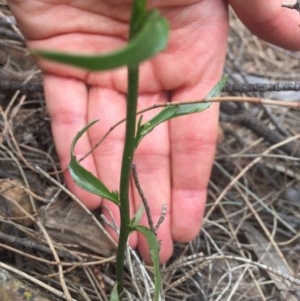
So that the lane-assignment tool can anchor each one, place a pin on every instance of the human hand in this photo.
(175, 160)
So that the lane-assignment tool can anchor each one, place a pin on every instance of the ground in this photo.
(249, 248)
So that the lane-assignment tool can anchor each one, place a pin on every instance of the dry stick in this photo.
(161, 218)
(242, 172)
(268, 234)
(257, 199)
(66, 271)
(204, 261)
(67, 264)
(91, 277)
(85, 295)
(290, 241)
(142, 195)
(246, 87)
(48, 239)
(23, 176)
(15, 143)
(286, 277)
(7, 176)
(145, 203)
(20, 207)
(109, 223)
(8, 129)
(13, 83)
(34, 280)
(255, 100)
(79, 203)
(148, 282)
(239, 246)
(49, 157)
(7, 34)
(26, 243)
(57, 259)
(248, 120)
(136, 278)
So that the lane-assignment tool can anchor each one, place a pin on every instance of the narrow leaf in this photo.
(217, 89)
(84, 178)
(151, 39)
(173, 111)
(154, 253)
(114, 296)
(138, 216)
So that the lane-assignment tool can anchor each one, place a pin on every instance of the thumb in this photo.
(269, 21)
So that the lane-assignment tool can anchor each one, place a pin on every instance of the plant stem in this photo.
(138, 9)
(129, 146)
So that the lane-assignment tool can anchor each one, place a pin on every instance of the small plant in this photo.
(148, 35)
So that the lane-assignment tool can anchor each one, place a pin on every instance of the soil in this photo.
(249, 248)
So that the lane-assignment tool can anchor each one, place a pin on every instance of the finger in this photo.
(193, 143)
(66, 100)
(110, 107)
(193, 137)
(270, 21)
(152, 160)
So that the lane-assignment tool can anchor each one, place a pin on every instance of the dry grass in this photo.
(249, 248)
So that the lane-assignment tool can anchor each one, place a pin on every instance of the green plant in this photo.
(148, 35)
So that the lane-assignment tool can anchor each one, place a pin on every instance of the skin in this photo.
(175, 160)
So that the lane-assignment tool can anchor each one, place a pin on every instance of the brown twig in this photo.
(244, 170)
(278, 87)
(143, 198)
(250, 121)
(255, 100)
(8, 83)
(34, 280)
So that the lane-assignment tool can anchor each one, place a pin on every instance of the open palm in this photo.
(175, 160)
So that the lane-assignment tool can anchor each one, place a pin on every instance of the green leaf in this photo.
(151, 39)
(217, 89)
(154, 253)
(114, 296)
(84, 178)
(172, 111)
(138, 216)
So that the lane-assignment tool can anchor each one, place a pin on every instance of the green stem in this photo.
(132, 96)
(138, 9)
